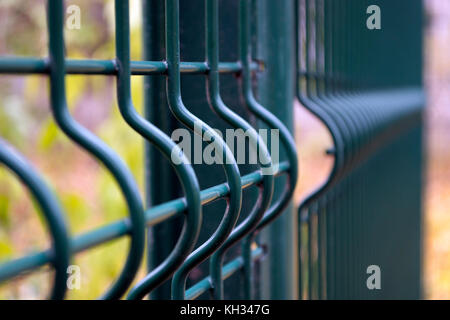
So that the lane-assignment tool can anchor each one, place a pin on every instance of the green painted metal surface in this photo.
(366, 86)
(276, 89)
(238, 65)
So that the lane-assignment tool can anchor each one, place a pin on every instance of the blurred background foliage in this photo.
(86, 190)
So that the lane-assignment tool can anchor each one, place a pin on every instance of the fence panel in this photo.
(238, 65)
(364, 81)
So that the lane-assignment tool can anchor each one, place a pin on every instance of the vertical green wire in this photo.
(199, 127)
(168, 148)
(287, 141)
(97, 148)
(217, 105)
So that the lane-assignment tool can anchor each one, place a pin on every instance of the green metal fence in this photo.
(365, 85)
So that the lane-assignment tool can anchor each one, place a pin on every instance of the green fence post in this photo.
(275, 48)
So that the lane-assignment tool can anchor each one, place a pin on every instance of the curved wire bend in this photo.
(332, 108)
(231, 215)
(276, 209)
(318, 108)
(257, 144)
(51, 210)
(322, 115)
(266, 116)
(97, 148)
(273, 122)
(168, 148)
(232, 173)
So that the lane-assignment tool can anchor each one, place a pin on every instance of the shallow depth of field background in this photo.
(437, 196)
(89, 194)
